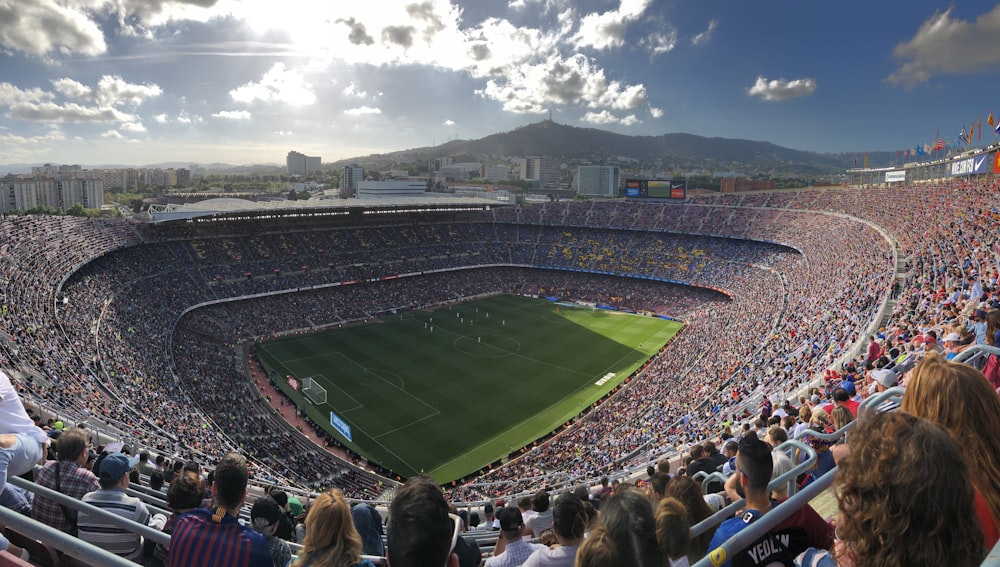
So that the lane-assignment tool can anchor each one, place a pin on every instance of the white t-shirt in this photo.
(12, 414)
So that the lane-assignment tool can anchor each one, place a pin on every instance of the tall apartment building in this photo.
(59, 191)
(496, 172)
(598, 180)
(349, 180)
(301, 164)
(544, 170)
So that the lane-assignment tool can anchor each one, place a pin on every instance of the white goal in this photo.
(313, 391)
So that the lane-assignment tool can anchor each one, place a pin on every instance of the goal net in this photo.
(313, 391)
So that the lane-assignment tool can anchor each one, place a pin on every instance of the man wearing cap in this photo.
(511, 550)
(210, 537)
(265, 516)
(111, 497)
(952, 345)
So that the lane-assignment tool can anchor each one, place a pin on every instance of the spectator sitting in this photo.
(804, 529)
(67, 475)
(958, 398)
(421, 532)
(22, 443)
(368, 523)
(542, 519)
(183, 495)
(210, 537)
(264, 516)
(286, 525)
(672, 527)
(569, 520)
(511, 549)
(625, 535)
(114, 480)
(689, 493)
(901, 466)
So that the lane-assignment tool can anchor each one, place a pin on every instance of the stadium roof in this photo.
(227, 206)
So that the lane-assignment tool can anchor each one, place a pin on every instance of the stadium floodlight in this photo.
(313, 391)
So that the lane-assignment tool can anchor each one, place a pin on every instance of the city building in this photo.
(56, 190)
(544, 170)
(738, 184)
(377, 189)
(598, 180)
(496, 172)
(349, 180)
(301, 164)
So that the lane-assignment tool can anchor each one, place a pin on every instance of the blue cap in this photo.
(117, 465)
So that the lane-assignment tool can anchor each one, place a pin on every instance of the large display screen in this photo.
(655, 189)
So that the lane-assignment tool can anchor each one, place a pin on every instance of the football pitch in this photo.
(450, 391)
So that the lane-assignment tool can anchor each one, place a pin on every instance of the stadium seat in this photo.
(8, 560)
(41, 554)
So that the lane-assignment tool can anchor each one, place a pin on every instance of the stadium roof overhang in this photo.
(225, 209)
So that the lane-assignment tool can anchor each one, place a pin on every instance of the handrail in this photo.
(110, 517)
(975, 351)
(766, 523)
(727, 512)
(70, 545)
(873, 402)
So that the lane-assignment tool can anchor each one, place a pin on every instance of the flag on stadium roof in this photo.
(980, 135)
(990, 121)
(963, 138)
(940, 145)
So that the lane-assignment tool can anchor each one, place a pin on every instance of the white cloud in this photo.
(233, 114)
(352, 90)
(573, 81)
(133, 127)
(706, 35)
(69, 112)
(656, 112)
(183, 117)
(114, 134)
(661, 42)
(780, 90)
(448, 122)
(48, 27)
(282, 132)
(944, 45)
(112, 90)
(607, 30)
(11, 94)
(605, 117)
(362, 110)
(277, 85)
(161, 118)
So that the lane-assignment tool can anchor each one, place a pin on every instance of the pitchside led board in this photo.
(655, 189)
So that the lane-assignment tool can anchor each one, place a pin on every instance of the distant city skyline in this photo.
(245, 81)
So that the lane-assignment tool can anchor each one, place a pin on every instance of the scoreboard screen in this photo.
(655, 189)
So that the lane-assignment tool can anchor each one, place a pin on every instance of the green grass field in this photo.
(450, 391)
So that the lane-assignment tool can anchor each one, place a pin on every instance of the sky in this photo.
(245, 81)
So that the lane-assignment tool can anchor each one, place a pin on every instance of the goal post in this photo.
(313, 391)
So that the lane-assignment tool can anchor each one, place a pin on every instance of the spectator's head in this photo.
(156, 480)
(841, 417)
(782, 464)
(230, 487)
(331, 538)
(776, 435)
(524, 504)
(710, 448)
(73, 444)
(488, 511)
(420, 531)
(569, 519)
(114, 468)
(625, 535)
(658, 486)
(959, 398)
(144, 457)
(754, 464)
(265, 515)
(730, 448)
(184, 494)
(511, 523)
(540, 501)
(368, 522)
(904, 496)
(672, 526)
(697, 452)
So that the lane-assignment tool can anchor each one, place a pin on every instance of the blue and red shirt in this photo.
(207, 538)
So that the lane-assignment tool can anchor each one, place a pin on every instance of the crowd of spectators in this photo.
(92, 309)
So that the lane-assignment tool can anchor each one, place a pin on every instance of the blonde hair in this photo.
(331, 539)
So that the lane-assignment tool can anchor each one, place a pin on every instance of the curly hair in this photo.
(904, 496)
(959, 398)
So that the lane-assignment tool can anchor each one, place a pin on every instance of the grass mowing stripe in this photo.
(451, 390)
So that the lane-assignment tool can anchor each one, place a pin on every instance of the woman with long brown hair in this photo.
(331, 540)
(958, 398)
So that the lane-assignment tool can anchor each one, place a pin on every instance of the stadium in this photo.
(170, 335)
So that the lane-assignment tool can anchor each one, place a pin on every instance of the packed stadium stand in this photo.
(140, 331)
